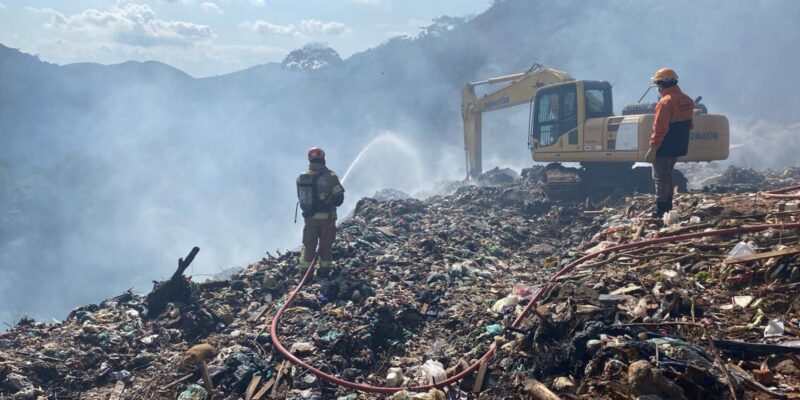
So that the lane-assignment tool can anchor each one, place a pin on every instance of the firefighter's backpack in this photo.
(307, 192)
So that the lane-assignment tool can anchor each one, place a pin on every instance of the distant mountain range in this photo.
(110, 172)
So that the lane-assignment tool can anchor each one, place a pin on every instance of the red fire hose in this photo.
(489, 354)
(784, 193)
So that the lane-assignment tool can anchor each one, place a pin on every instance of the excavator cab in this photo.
(558, 113)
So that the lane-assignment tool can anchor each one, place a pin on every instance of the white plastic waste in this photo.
(742, 249)
(673, 276)
(774, 328)
(694, 219)
(395, 377)
(743, 301)
(641, 308)
(435, 371)
(505, 304)
(671, 218)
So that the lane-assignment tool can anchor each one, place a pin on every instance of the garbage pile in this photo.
(423, 288)
(746, 177)
(712, 177)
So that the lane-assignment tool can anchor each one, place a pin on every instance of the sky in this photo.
(211, 37)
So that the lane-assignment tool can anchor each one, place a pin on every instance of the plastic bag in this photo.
(505, 304)
(435, 371)
(774, 328)
(671, 218)
(742, 249)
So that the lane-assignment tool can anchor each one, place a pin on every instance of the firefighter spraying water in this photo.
(319, 193)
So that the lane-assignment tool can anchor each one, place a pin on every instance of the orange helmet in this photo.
(316, 154)
(664, 75)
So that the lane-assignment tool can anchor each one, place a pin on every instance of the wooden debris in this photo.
(386, 231)
(538, 391)
(479, 379)
(687, 228)
(256, 315)
(175, 289)
(587, 309)
(762, 256)
(263, 390)
(251, 388)
(278, 377)
(177, 381)
(626, 290)
(116, 394)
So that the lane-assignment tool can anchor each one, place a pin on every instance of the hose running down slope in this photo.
(486, 358)
(784, 193)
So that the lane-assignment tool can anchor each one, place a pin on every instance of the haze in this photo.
(109, 173)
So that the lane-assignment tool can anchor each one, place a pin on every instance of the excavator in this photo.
(573, 121)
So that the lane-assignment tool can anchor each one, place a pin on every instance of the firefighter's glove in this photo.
(650, 156)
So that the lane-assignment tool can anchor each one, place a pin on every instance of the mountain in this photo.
(113, 171)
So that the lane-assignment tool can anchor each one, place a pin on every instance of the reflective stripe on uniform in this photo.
(322, 215)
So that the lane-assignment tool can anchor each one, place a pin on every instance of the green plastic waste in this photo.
(331, 336)
(494, 329)
(193, 392)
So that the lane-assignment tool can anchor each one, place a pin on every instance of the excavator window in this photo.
(594, 101)
(598, 99)
(555, 114)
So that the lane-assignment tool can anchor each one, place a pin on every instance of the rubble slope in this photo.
(424, 287)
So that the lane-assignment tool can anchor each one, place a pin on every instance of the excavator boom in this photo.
(522, 89)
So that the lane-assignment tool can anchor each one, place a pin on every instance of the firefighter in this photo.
(670, 137)
(319, 193)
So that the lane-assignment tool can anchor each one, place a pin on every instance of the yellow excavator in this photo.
(573, 121)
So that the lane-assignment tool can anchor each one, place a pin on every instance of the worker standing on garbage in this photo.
(670, 137)
(319, 193)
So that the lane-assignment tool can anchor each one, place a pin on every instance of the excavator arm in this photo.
(522, 89)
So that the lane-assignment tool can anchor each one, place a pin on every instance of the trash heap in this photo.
(712, 177)
(423, 288)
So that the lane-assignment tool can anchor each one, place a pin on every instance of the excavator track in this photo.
(598, 180)
(563, 183)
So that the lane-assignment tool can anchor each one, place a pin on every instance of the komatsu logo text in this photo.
(497, 103)
(704, 136)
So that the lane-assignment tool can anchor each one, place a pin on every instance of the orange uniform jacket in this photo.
(673, 121)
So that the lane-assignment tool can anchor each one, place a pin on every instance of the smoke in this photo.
(762, 144)
(110, 173)
(736, 55)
